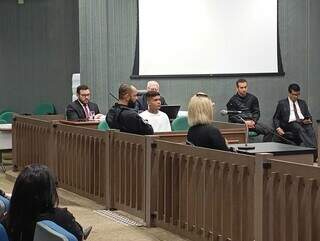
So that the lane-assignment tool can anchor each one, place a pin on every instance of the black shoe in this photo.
(86, 232)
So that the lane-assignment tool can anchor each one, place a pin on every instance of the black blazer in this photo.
(282, 114)
(76, 112)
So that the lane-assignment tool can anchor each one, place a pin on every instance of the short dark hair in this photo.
(241, 81)
(293, 87)
(151, 94)
(123, 90)
(82, 87)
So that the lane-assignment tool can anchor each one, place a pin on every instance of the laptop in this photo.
(170, 110)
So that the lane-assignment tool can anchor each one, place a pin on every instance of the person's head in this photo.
(242, 87)
(294, 92)
(128, 94)
(153, 99)
(83, 94)
(153, 85)
(200, 109)
(34, 193)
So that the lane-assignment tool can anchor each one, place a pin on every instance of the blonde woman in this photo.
(200, 118)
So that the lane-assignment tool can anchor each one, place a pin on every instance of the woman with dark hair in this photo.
(34, 198)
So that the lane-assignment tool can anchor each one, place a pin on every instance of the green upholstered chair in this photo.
(5, 110)
(254, 137)
(7, 116)
(45, 109)
(103, 126)
(180, 124)
(253, 134)
(2, 121)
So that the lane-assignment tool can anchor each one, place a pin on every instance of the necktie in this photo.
(86, 111)
(296, 112)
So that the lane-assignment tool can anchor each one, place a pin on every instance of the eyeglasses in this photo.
(84, 95)
(296, 94)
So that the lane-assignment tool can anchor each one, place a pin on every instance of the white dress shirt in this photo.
(292, 116)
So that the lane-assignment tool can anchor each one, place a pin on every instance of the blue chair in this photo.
(103, 126)
(3, 233)
(4, 205)
(49, 231)
(180, 124)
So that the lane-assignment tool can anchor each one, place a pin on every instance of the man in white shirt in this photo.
(292, 115)
(156, 118)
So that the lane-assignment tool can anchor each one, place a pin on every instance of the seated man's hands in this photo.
(280, 131)
(307, 121)
(250, 124)
(98, 116)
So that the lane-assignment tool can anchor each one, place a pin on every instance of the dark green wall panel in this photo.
(39, 51)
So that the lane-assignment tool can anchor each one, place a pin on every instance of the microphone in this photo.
(230, 112)
(113, 96)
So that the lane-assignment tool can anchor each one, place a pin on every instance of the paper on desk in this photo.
(5, 127)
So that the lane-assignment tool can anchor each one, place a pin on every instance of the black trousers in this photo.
(305, 133)
(264, 130)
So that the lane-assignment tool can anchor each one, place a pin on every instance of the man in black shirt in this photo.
(248, 104)
(122, 116)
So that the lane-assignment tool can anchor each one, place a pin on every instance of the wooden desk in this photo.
(297, 154)
(5, 141)
(89, 124)
(233, 132)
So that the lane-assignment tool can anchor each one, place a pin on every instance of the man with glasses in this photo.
(82, 109)
(292, 115)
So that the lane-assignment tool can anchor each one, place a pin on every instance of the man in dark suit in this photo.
(142, 102)
(82, 108)
(292, 115)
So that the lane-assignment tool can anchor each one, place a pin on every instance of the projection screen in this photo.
(206, 37)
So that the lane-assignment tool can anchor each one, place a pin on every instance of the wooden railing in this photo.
(127, 177)
(32, 140)
(291, 202)
(201, 193)
(80, 160)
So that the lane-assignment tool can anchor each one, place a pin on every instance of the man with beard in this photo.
(248, 106)
(83, 108)
(122, 116)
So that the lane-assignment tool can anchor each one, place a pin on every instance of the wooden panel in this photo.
(291, 202)
(128, 168)
(81, 158)
(201, 193)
